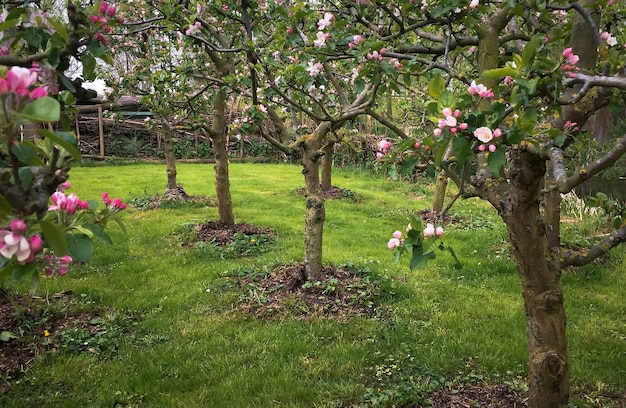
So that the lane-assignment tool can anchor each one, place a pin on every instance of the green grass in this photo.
(191, 348)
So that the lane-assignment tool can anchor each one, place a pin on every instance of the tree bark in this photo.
(327, 166)
(168, 150)
(539, 273)
(222, 180)
(315, 211)
(441, 185)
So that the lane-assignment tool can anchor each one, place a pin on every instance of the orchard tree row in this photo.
(497, 96)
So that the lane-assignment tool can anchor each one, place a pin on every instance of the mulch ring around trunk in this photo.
(285, 292)
(222, 234)
(335, 193)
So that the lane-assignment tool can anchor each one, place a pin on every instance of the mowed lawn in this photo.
(177, 338)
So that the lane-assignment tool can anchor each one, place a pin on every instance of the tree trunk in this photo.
(315, 211)
(441, 185)
(539, 274)
(222, 180)
(327, 166)
(552, 212)
(168, 149)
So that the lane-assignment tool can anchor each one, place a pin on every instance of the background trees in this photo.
(511, 86)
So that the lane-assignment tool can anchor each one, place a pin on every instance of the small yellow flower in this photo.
(252, 241)
(46, 333)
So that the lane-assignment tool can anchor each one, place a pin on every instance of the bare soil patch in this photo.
(222, 234)
(335, 193)
(33, 326)
(484, 396)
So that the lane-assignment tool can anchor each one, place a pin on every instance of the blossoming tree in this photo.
(39, 45)
(536, 74)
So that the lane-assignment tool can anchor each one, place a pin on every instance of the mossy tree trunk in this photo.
(168, 150)
(327, 166)
(315, 210)
(539, 273)
(220, 150)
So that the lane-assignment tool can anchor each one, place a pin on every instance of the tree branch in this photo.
(566, 183)
(578, 258)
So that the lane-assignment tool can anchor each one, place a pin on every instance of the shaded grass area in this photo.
(441, 327)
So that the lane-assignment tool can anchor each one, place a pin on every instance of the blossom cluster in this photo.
(383, 146)
(571, 60)
(19, 81)
(429, 231)
(323, 23)
(450, 122)
(14, 242)
(480, 90)
(102, 21)
(54, 265)
(114, 204)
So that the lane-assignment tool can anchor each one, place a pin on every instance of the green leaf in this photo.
(7, 270)
(7, 335)
(27, 154)
(60, 28)
(436, 86)
(26, 177)
(461, 149)
(20, 271)
(8, 24)
(119, 223)
(495, 161)
(81, 247)
(559, 140)
(64, 139)
(55, 237)
(530, 49)
(44, 109)
(67, 83)
(419, 258)
(98, 232)
(408, 166)
(89, 66)
(5, 207)
(499, 72)
(457, 263)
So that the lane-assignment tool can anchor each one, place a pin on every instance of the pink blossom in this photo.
(397, 234)
(14, 243)
(417, 144)
(567, 52)
(326, 21)
(457, 113)
(497, 133)
(453, 130)
(437, 132)
(18, 226)
(356, 39)
(19, 79)
(36, 243)
(463, 126)
(429, 231)
(482, 148)
(384, 145)
(483, 134)
(106, 198)
(492, 148)
(103, 7)
(38, 92)
(94, 19)
(439, 231)
(393, 243)
(315, 68)
(446, 112)
(473, 4)
(379, 155)
(321, 39)
(450, 121)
